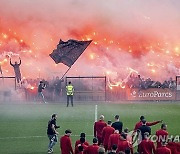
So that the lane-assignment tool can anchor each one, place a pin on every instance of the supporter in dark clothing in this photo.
(144, 128)
(117, 125)
(41, 86)
(52, 132)
(57, 88)
(16, 69)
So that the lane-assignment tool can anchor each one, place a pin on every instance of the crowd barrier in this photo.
(118, 94)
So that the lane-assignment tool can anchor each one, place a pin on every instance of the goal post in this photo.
(8, 81)
(88, 88)
(178, 83)
(7, 86)
(178, 87)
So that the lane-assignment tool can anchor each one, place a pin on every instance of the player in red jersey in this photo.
(80, 149)
(173, 146)
(101, 150)
(139, 124)
(92, 149)
(123, 144)
(113, 149)
(161, 135)
(82, 143)
(78, 141)
(163, 149)
(65, 143)
(113, 139)
(98, 127)
(146, 146)
(106, 132)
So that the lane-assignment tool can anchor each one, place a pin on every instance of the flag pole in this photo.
(65, 73)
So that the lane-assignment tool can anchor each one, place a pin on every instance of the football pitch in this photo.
(23, 126)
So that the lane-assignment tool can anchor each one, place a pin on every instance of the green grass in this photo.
(30, 121)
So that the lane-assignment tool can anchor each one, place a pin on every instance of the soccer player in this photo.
(92, 149)
(173, 146)
(80, 149)
(70, 93)
(106, 132)
(139, 124)
(52, 132)
(128, 151)
(163, 149)
(41, 86)
(146, 146)
(82, 143)
(78, 141)
(144, 128)
(114, 149)
(98, 127)
(65, 143)
(113, 139)
(161, 134)
(101, 150)
(123, 144)
(117, 125)
(17, 69)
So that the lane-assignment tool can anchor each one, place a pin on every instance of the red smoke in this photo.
(143, 36)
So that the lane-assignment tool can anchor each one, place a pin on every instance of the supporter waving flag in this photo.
(68, 52)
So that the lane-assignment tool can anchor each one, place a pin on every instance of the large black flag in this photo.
(68, 52)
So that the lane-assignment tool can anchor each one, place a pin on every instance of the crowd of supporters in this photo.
(141, 83)
(56, 85)
(111, 138)
(55, 88)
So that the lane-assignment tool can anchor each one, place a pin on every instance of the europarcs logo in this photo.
(153, 94)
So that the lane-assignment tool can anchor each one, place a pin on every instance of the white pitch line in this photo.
(25, 137)
(18, 137)
(95, 114)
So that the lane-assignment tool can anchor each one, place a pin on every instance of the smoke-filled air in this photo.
(128, 36)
